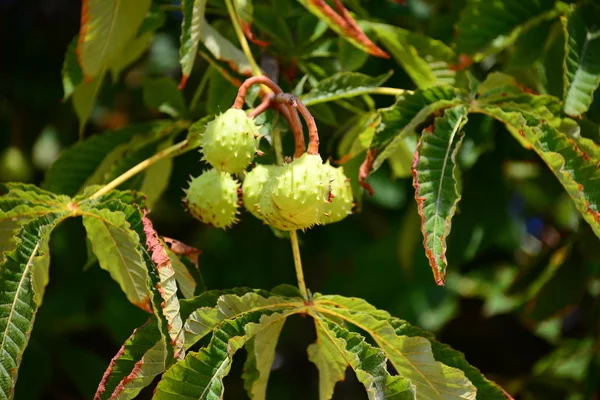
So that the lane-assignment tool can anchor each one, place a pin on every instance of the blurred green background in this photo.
(521, 299)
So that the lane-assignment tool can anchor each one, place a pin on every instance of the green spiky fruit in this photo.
(230, 141)
(340, 196)
(253, 186)
(213, 198)
(296, 195)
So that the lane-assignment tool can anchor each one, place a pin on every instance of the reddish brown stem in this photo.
(313, 133)
(261, 79)
(262, 107)
(293, 119)
(365, 170)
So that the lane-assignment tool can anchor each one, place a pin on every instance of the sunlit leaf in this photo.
(434, 179)
(412, 357)
(23, 276)
(19, 204)
(406, 116)
(574, 162)
(164, 284)
(342, 23)
(582, 59)
(185, 280)
(210, 365)
(343, 85)
(191, 30)
(339, 346)
(138, 362)
(116, 244)
(107, 26)
(261, 354)
(425, 60)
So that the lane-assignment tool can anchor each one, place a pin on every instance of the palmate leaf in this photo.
(191, 30)
(107, 26)
(144, 356)
(162, 94)
(404, 117)
(69, 173)
(436, 186)
(23, 277)
(582, 58)
(84, 98)
(201, 315)
(573, 161)
(110, 226)
(412, 357)
(337, 348)
(138, 362)
(442, 352)
(243, 318)
(343, 85)
(487, 26)
(425, 60)
(19, 204)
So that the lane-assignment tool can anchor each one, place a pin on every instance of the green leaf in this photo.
(425, 60)
(68, 174)
(344, 25)
(23, 277)
(582, 59)
(84, 98)
(343, 85)
(404, 117)
(488, 26)
(19, 204)
(486, 389)
(412, 357)
(201, 315)
(327, 353)
(162, 94)
(72, 75)
(107, 25)
(401, 161)
(435, 184)
(164, 289)
(137, 46)
(243, 318)
(224, 51)
(357, 135)
(573, 161)
(191, 32)
(132, 51)
(338, 348)
(138, 362)
(111, 231)
(185, 280)
(261, 354)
